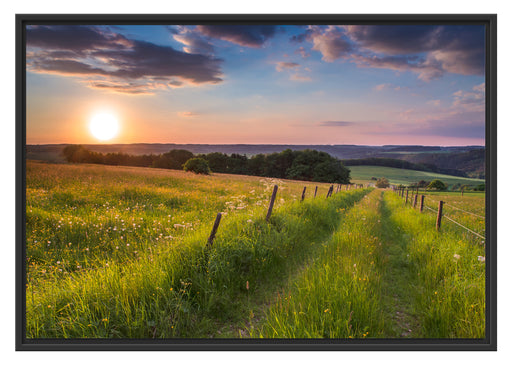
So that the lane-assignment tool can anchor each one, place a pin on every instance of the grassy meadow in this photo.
(386, 273)
(120, 252)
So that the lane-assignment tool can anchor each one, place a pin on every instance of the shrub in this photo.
(382, 183)
(480, 187)
(197, 165)
(436, 185)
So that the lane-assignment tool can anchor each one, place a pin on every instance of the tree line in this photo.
(307, 165)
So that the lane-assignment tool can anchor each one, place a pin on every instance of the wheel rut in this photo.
(398, 288)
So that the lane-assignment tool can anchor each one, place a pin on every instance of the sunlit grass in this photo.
(338, 295)
(449, 272)
(386, 273)
(120, 252)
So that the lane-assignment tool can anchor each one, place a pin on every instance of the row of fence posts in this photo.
(271, 205)
(401, 191)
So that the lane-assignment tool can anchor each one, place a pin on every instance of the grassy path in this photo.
(385, 273)
(398, 291)
(338, 295)
(439, 277)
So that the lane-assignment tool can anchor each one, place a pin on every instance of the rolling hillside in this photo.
(363, 174)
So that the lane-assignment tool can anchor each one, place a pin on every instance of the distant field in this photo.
(363, 174)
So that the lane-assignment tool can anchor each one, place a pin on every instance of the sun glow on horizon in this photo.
(104, 126)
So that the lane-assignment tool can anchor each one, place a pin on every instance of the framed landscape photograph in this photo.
(256, 182)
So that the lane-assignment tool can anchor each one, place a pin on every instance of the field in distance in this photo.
(363, 174)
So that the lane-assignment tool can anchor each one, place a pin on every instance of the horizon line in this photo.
(256, 144)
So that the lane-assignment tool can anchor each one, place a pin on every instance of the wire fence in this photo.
(439, 213)
(466, 228)
(339, 188)
(465, 211)
(454, 221)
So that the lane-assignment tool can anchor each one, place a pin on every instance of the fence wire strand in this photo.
(454, 207)
(466, 228)
(465, 211)
(426, 206)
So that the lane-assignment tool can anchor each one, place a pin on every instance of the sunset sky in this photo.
(262, 84)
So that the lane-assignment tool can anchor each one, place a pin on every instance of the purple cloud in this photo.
(426, 70)
(74, 38)
(300, 78)
(440, 49)
(193, 42)
(470, 101)
(244, 35)
(335, 124)
(107, 59)
(330, 42)
(388, 86)
(427, 50)
(281, 66)
(303, 53)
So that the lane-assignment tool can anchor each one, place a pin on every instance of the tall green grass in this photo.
(339, 294)
(446, 271)
(167, 288)
(385, 273)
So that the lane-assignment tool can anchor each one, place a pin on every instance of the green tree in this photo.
(218, 161)
(331, 171)
(277, 164)
(480, 187)
(238, 164)
(197, 165)
(317, 166)
(256, 164)
(79, 154)
(382, 183)
(436, 184)
(174, 159)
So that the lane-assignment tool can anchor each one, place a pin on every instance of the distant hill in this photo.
(469, 160)
(363, 174)
(402, 164)
(472, 162)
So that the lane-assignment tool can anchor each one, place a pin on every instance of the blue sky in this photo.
(365, 84)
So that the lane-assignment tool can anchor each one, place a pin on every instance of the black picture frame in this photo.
(489, 343)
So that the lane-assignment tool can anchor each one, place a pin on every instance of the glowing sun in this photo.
(104, 126)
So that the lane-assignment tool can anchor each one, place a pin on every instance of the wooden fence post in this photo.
(316, 189)
(415, 200)
(303, 194)
(214, 229)
(329, 192)
(271, 205)
(407, 197)
(462, 191)
(439, 215)
(421, 203)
